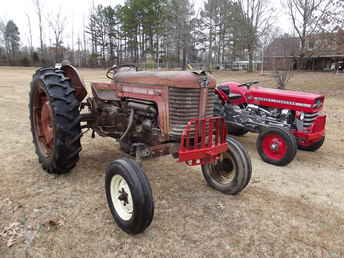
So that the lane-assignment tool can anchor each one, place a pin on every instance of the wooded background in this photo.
(167, 33)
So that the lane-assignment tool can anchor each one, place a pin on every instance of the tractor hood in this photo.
(295, 100)
(178, 79)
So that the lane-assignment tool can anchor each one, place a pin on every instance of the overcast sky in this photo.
(76, 12)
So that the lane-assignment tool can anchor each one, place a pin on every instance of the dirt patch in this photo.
(290, 211)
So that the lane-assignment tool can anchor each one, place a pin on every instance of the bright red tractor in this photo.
(285, 120)
(150, 114)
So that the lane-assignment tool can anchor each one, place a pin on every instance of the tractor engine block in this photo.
(130, 121)
(256, 116)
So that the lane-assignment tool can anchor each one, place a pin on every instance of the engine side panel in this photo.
(158, 95)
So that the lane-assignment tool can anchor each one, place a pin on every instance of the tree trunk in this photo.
(210, 53)
(250, 60)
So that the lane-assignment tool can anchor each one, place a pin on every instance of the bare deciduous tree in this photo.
(37, 4)
(257, 18)
(57, 25)
(307, 18)
(30, 33)
(265, 40)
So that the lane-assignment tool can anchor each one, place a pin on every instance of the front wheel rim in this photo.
(224, 170)
(121, 197)
(274, 146)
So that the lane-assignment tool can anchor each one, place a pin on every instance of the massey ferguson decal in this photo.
(142, 91)
(286, 102)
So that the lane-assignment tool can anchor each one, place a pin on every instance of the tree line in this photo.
(167, 33)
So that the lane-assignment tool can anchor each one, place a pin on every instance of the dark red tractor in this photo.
(285, 120)
(150, 114)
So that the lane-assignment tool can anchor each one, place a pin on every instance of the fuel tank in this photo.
(177, 79)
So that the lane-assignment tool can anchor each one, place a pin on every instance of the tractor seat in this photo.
(224, 88)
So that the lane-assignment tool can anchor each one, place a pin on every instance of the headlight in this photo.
(300, 115)
(317, 103)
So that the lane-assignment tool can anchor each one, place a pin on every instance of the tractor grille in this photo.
(309, 119)
(184, 106)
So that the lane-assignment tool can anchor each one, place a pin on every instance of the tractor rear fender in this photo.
(76, 81)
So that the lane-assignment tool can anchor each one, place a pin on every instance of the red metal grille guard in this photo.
(203, 140)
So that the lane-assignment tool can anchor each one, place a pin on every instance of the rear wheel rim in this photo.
(274, 146)
(224, 170)
(43, 122)
(121, 197)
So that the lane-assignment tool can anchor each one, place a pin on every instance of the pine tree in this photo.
(12, 40)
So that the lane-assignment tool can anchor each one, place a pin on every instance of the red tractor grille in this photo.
(319, 124)
(309, 119)
(203, 140)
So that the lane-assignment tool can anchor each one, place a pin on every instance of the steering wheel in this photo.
(115, 69)
(248, 84)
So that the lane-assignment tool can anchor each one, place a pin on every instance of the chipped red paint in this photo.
(178, 79)
(154, 87)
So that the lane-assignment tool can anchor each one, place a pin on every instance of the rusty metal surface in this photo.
(162, 149)
(77, 83)
(104, 91)
(188, 96)
(178, 79)
(187, 104)
(156, 94)
(42, 120)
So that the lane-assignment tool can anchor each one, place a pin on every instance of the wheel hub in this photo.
(223, 170)
(274, 147)
(121, 197)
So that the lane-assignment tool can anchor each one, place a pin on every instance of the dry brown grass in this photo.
(293, 211)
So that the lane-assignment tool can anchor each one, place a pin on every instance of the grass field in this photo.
(292, 211)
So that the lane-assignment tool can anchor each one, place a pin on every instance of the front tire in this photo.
(314, 147)
(129, 196)
(276, 146)
(55, 120)
(232, 173)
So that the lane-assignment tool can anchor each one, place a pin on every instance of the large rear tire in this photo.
(276, 146)
(314, 147)
(129, 196)
(232, 173)
(55, 121)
